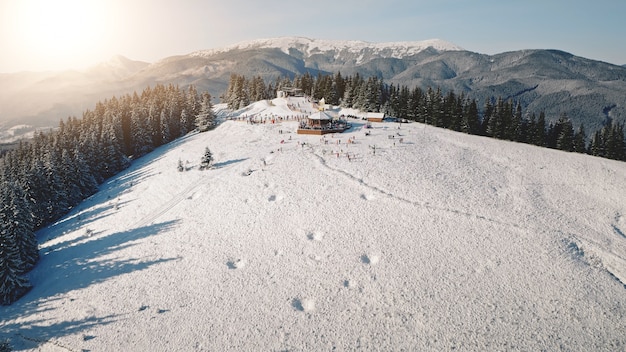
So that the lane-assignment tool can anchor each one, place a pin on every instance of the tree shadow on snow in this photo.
(78, 219)
(228, 162)
(109, 192)
(71, 266)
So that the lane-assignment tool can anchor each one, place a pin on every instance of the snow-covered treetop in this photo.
(312, 46)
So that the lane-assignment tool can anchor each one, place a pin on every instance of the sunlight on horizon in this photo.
(65, 33)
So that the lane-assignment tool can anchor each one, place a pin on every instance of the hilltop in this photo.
(439, 241)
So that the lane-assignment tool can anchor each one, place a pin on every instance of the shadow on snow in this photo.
(106, 199)
(228, 162)
(70, 266)
(80, 262)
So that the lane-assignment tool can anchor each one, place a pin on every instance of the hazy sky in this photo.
(59, 34)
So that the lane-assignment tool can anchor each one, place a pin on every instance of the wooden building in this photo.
(375, 116)
(322, 123)
(289, 92)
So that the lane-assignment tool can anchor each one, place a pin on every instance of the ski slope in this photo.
(442, 241)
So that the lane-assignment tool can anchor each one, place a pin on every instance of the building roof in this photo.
(320, 115)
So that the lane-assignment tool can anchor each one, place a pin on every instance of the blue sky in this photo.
(60, 34)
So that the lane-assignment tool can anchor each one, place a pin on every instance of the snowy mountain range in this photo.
(588, 91)
(307, 47)
(408, 238)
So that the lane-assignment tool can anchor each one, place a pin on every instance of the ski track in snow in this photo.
(607, 261)
(592, 257)
(378, 190)
(174, 201)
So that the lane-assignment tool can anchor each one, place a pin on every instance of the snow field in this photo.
(442, 241)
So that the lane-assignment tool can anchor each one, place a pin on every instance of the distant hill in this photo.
(41, 99)
(553, 81)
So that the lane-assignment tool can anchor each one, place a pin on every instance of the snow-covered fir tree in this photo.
(207, 159)
(206, 116)
(18, 247)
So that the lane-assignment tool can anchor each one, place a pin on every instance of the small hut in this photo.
(375, 116)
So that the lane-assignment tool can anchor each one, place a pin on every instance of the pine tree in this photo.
(415, 105)
(164, 128)
(306, 83)
(614, 142)
(471, 122)
(403, 103)
(580, 140)
(487, 116)
(193, 104)
(12, 284)
(339, 84)
(68, 179)
(140, 132)
(564, 133)
(539, 138)
(114, 158)
(204, 119)
(13, 261)
(597, 147)
(172, 109)
(89, 151)
(433, 108)
(56, 201)
(207, 159)
(515, 128)
(184, 122)
(257, 89)
(347, 99)
(499, 123)
(551, 136)
(238, 95)
(84, 177)
(494, 126)
(449, 118)
(20, 225)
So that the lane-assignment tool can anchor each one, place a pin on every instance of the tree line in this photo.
(40, 181)
(497, 118)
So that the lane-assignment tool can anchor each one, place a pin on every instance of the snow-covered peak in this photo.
(311, 46)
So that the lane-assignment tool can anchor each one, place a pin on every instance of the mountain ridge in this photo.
(589, 91)
(312, 46)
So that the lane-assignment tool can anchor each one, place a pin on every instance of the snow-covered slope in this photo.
(316, 46)
(437, 241)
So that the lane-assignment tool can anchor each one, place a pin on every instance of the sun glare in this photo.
(62, 31)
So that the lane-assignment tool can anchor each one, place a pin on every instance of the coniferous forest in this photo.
(42, 180)
(496, 117)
